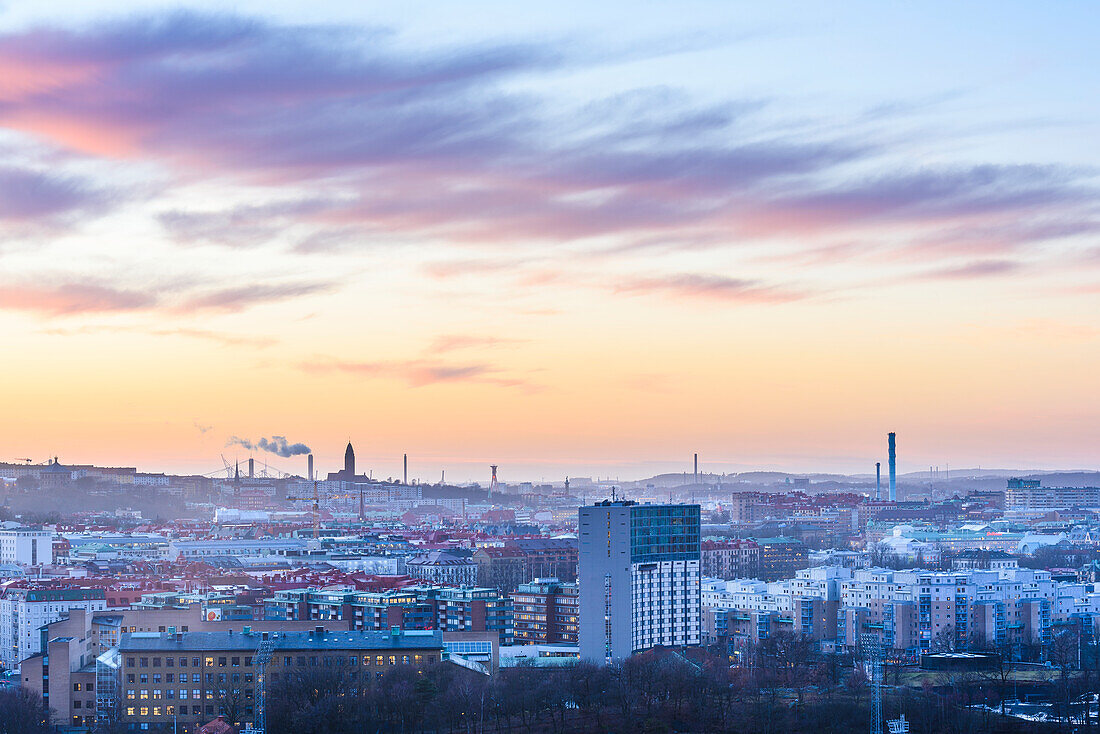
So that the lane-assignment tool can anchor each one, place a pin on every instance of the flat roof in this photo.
(284, 640)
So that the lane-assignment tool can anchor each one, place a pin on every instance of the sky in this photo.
(585, 239)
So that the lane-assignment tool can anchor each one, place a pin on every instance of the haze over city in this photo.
(564, 239)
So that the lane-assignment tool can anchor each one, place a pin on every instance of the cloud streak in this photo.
(72, 297)
(711, 287)
(67, 299)
(28, 195)
(422, 372)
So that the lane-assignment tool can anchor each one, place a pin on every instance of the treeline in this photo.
(779, 690)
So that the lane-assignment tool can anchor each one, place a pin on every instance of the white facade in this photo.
(666, 604)
(24, 611)
(26, 546)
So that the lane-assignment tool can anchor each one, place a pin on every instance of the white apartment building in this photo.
(26, 546)
(24, 611)
(911, 610)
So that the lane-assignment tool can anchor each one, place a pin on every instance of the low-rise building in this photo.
(441, 567)
(189, 677)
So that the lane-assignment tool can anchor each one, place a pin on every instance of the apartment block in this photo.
(546, 611)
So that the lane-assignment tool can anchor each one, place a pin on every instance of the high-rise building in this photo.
(639, 575)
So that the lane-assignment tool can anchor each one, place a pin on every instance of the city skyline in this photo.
(585, 241)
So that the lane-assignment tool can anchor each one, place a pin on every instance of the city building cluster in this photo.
(147, 599)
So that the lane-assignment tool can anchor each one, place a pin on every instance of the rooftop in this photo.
(284, 640)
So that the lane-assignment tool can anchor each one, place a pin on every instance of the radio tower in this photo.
(261, 661)
(872, 648)
(493, 482)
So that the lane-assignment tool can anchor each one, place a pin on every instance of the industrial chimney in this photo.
(893, 449)
(251, 468)
(406, 470)
(696, 469)
(878, 480)
(309, 467)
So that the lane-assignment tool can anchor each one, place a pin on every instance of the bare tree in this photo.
(22, 711)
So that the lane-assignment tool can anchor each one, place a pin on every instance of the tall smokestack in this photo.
(696, 468)
(309, 467)
(406, 472)
(878, 480)
(251, 468)
(893, 449)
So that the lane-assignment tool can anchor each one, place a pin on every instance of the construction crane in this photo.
(316, 509)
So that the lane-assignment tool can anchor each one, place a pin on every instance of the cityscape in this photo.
(155, 601)
(509, 368)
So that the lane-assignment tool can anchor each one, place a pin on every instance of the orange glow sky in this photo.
(581, 242)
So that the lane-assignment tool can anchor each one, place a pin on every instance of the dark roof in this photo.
(537, 544)
(438, 558)
(286, 640)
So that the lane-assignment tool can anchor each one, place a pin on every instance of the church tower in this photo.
(349, 462)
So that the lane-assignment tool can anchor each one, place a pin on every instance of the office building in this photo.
(639, 575)
(1028, 496)
(26, 546)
